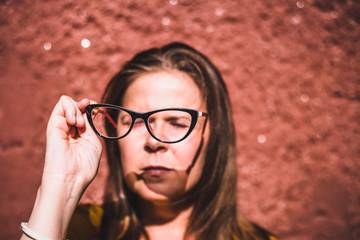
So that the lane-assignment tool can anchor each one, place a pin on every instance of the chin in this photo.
(147, 194)
(155, 199)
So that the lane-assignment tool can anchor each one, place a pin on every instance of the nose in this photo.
(152, 145)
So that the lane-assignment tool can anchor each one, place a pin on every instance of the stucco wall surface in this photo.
(292, 70)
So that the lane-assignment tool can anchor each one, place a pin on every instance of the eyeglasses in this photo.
(169, 125)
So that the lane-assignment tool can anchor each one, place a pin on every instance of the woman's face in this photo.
(158, 171)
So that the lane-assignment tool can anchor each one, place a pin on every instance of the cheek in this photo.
(193, 160)
(129, 152)
(198, 167)
(191, 150)
(195, 173)
(128, 161)
(187, 152)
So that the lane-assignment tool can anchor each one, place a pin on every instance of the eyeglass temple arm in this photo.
(202, 114)
(108, 117)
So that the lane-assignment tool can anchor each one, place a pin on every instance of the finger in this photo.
(86, 131)
(63, 116)
(73, 113)
(68, 110)
(80, 121)
(83, 104)
(82, 107)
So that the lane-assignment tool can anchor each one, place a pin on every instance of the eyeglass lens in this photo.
(166, 125)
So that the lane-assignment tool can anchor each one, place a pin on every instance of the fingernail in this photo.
(73, 118)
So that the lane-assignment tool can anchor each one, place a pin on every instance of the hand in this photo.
(73, 150)
(72, 159)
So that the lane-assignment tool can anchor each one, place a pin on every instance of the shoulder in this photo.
(264, 234)
(85, 222)
(252, 231)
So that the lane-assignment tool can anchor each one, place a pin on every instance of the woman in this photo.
(172, 169)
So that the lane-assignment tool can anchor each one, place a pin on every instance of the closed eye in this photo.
(179, 122)
(125, 120)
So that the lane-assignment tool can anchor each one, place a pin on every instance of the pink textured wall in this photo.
(292, 68)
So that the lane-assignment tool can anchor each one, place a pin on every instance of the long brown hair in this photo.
(215, 214)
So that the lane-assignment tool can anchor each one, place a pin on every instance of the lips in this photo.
(164, 181)
(155, 171)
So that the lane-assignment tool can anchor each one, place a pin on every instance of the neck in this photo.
(165, 221)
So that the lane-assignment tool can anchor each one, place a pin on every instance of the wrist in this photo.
(62, 187)
(53, 209)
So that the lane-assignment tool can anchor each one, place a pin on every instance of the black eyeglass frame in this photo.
(145, 116)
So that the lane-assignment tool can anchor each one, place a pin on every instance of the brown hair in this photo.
(215, 214)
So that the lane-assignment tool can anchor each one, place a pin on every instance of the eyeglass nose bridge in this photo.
(145, 117)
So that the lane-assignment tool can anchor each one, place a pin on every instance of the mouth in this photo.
(155, 171)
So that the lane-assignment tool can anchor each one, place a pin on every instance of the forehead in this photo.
(163, 89)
